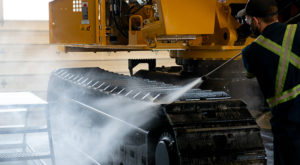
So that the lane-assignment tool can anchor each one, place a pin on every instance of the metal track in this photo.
(131, 87)
(201, 127)
(214, 132)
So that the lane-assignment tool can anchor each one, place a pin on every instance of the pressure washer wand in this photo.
(196, 83)
(217, 68)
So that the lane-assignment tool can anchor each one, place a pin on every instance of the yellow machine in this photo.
(201, 127)
(191, 29)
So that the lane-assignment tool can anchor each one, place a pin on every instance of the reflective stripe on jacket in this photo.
(286, 57)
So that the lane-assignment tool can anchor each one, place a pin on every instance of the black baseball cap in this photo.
(258, 8)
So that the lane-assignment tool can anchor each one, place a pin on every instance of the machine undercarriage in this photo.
(201, 127)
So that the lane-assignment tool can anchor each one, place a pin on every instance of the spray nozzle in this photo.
(203, 78)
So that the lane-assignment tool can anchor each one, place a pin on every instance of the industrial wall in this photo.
(27, 59)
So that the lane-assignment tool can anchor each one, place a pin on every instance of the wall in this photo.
(27, 59)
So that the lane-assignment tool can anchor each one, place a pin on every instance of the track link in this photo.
(201, 127)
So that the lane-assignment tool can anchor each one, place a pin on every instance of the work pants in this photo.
(286, 143)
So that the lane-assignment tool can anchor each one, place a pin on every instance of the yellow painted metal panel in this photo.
(66, 23)
(103, 23)
(188, 16)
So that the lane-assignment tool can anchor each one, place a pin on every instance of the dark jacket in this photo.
(263, 63)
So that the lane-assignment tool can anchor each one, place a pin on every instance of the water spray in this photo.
(196, 83)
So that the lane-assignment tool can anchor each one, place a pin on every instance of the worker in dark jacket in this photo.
(274, 59)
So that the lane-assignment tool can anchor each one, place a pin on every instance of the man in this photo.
(274, 59)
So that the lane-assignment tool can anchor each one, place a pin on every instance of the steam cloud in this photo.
(80, 140)
(92, 143)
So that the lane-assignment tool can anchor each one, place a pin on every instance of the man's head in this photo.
(259, 13)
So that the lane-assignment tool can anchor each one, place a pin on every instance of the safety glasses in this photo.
(248, 19)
